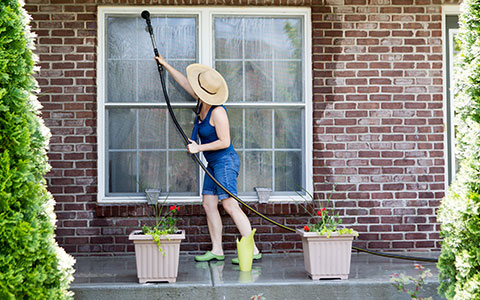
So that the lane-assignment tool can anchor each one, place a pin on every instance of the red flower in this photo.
(418, 266)
(323, 209)
(319, 213)
(306, 228)
(178, 208)
(172, 207)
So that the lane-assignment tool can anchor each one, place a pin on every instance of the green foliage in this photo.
(32, 265)
(459, 263)
(165, 222)
(402, 282)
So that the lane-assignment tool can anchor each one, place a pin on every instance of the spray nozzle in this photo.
(146, 14)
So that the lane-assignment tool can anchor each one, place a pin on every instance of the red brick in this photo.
(378, 245)
(391, 236)
(425, 244)
(402, 245)
(369, 236)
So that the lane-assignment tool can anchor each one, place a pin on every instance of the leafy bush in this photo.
(459, 263)
(32, 265)
(404, 282)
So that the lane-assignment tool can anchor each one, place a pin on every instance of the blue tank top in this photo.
(207, 134)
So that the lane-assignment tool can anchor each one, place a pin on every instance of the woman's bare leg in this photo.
(239, 217)
(210, 205)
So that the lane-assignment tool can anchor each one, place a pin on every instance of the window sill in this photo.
(191, 199)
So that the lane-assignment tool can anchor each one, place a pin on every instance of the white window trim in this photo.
(447, 9)
(205, 20)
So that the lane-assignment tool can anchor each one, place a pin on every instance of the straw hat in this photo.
(208, 84)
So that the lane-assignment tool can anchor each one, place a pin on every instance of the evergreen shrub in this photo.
(32, 265)
(459, 212)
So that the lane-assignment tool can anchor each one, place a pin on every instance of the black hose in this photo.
(146, 16)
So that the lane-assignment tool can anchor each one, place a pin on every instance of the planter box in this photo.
(326, 258)
(153, 265)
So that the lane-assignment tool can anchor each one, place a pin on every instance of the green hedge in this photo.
(459, 213)
(32, 265)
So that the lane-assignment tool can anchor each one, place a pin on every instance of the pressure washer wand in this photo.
(146, 16)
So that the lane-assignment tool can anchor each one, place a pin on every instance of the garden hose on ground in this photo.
(146, 15)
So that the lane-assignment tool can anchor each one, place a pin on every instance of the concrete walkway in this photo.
(277, 277)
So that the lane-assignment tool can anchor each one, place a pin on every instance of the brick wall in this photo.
(378, 126)
(378, 117)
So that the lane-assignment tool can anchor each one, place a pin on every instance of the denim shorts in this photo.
(225, 170)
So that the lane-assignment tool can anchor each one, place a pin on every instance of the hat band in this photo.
(200, 84)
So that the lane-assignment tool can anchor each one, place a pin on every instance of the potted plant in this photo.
(157, 247)
(327, 247)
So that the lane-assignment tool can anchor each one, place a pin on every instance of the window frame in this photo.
(205, 17)
(449, 138)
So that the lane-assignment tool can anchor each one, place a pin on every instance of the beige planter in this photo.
(152, 265)
(326, 257)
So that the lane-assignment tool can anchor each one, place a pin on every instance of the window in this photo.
(264, 55)
(452, 48)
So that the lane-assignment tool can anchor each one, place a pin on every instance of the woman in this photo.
(210, 90)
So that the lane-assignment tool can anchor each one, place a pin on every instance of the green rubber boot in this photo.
(208, 256)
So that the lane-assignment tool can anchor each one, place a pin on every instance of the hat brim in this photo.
(218, 98)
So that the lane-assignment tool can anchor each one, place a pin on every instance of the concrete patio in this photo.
(277, 276)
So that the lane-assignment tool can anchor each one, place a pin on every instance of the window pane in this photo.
(232, 71)
(186, 118)
(258, 170)
(131, 70)
(121, 81)
(240, 181)
(159, 26)
(258, 34)
(288, 171)
(228, 38)
(182, 174)
(122, 129)
(121, 37)
(261, 58)
(235, 118)
(152, 128)
(153, 169)
(258, 81)
(287, 38)
(258, 128)
(288, 82)
(175, 92)
(182, 38)
(289, 128)
(122, 171)
(149, 86)
(132, 76)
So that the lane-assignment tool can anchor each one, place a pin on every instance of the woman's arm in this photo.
(222, 128)
(179, 77)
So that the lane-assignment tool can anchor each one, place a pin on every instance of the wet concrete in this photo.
(277, 276)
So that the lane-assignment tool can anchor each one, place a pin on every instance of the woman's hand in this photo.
(193, 147)
(161, 60)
